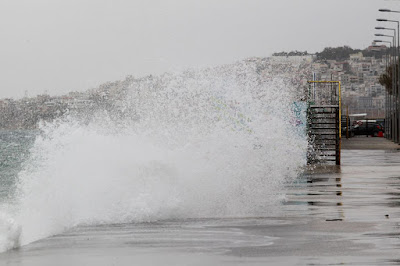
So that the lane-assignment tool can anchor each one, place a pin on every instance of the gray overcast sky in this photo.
(67, 45)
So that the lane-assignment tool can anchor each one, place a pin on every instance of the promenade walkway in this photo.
(347, 216)
(368, 143)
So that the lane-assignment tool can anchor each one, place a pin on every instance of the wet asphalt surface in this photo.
(332, 216)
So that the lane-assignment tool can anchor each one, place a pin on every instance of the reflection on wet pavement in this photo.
(332, 216)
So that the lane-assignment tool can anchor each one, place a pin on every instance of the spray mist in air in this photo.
(209, 143)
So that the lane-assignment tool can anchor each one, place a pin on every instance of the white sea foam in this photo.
(215, 143)
(10, 232)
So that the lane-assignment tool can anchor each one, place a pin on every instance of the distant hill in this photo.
(292, 53)
(335, 53)
(343, 53)
(134, 98)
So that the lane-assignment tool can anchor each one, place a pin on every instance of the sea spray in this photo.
(203, 143)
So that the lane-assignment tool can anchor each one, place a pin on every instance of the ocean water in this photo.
(214, 143)
(14, 147)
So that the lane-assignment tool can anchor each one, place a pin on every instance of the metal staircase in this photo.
(324, 125)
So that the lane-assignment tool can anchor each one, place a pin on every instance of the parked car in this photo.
(351, 131)
(370, 128)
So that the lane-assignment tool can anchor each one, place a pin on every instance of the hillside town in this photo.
(359, 75)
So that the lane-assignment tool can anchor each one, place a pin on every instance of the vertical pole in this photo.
(386, 99)
(392, 133)
(309, 120)
(314, 79)
(396, 139)
(390, 95)
(388, 92)
(394, 90)
(397, 83)
(340, 126)
(347, 123)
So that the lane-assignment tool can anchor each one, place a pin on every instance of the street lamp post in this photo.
(396, 95)
(393, 125)
(378, 50)
(388, 110)
(389, 119)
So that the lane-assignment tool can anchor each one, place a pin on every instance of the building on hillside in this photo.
(359, 76)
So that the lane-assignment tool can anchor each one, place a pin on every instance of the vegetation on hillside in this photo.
(386, 78)
(292, 53)
(343, 53)
(338, 53)
(335, 53)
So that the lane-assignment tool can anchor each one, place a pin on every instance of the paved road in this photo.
(368, 143)
(349, 215)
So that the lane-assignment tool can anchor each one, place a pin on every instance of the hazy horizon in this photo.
(61, 46)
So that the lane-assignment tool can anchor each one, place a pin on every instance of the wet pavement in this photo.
(368, 143)
(332, 216)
